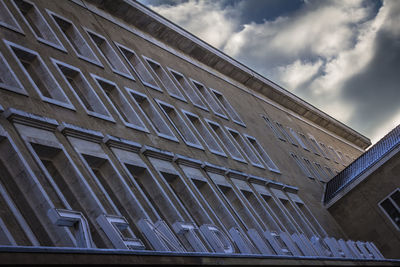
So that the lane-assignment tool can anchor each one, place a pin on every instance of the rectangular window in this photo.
(165, 79)
(391, 207)
(75, 39)
(328, 155)
(341, 157)
(228, 107)
(39, 75)
(230, 147)
(8, 79)
(285, 133)
(334, 154)
(316, 148)
(298, 138)
(245, 148)
(311, 169)
(188, 89)
(303, 168)
(307, 143)
(82, 90)
(264, 155)
(109, 54)
(180, 125)
(7, 19)
(138, 67)
(216, 108)
(152, 115)
(37, 23)
(203, 132)
(322, 174)
(120, 104)
(276, 132)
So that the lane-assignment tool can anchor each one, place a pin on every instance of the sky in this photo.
(342, 56)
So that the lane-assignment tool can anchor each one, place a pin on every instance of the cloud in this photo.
(343, 56)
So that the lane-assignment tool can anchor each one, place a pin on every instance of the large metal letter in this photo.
(75, 220)
(190, 232)
(217, 239)
(112, 227)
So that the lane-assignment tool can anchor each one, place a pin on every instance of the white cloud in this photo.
(296, 74)
(206, 19)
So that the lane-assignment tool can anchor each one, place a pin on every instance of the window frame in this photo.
(228, 107)
(58, 45)
(171, 137)
(96, 79)
(128, 74)
(388, 197)
(57, 102)
(83, 77)
(95, 60)
(17, 28)
(273, 168)
(220, 153)
(177, 127)
(177, 95)
(19, 90)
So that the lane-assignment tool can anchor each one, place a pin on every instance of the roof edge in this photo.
(156, 26)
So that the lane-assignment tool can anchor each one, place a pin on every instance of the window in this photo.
(331, 174)
(82, 90)
(216, 108)
(335, 155)
(121, 106)
(8, 80)
(138, 66)
(307, 143)
(296, 136)
(75, 39)
(203, 132)
(316, 148)
(152, 115)
(231, 148)
(7, 19)
(246, 148)
(305, 171)
(341, 158)
(276, 132)
(224, 102)
(109, 54)
(39, 75)
(326, 151)
(189, 90)
(322, 174)
(37, 23)
(179, 125)
(310, 167)
(285, 133)
(264, 155)
(165, 79)
(391, 207)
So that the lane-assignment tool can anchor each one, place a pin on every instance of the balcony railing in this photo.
(362, 163)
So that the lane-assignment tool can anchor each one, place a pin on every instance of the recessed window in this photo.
(8, 79)
(285, 133)
(303, 168)
(39, 75)
(276, 132)
(246, 148)
(327, 154)
(138, 67)
(230, 147)
(203, 132)
(228, 107)
(391, 207)
(316, 148)
(120, 104)
(165, 79)
(264, 155)
(216, 108)
(322, 174)
(152, 115)
(331, 174)
(298, 138)
(335, 155)
(75, 39)
(109, 54)
(82, 90)
(179, 125)
(37, 23)
(188, 89)
(311, 169)
(341, 157)
(7, 19)
(307, 143)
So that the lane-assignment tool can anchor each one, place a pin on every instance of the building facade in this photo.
(122, 133)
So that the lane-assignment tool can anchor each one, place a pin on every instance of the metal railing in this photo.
(361, 164)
